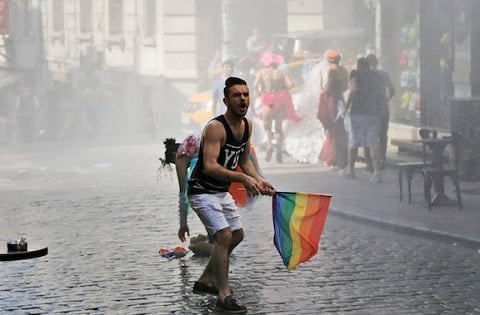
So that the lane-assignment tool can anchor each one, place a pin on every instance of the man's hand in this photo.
(182, 231)
(255, 187)
(266, 188)
(251, 185)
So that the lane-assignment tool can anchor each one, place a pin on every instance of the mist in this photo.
(111, 78)
(143, 71)
(92, 91)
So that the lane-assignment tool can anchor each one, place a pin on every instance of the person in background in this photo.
(364, 118)
(256, 44)
(214, 67)
(217, 91)
(385, 92)
(24, 114)
(331, 98)
(224, 145)
(272, 86)
(186, 152)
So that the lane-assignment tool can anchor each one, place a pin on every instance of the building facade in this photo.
(139, 60)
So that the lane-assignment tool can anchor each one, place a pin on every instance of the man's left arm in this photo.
(249, 168)
(247, 165)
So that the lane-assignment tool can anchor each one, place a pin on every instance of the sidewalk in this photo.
(380, 203)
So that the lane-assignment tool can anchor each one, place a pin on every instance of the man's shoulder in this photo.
(338, 69)
(354, 73)
(217, 122)
(382, 73)
(382, 76)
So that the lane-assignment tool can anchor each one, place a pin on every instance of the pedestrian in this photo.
(273, 86)
(364, 119)
(218, 84)
(24, 114)
(215, 65)
(225, 144)
(186, 152)
(256, 44)
(185, 157)
(385, 91)
(330, 113)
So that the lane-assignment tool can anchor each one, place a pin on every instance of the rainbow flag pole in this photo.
(298, 221)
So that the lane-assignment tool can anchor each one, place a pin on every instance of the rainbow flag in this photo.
(298, 220)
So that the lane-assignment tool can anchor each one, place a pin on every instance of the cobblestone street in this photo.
(104, 216)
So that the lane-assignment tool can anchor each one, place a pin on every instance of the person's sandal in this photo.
(230, 305)
(199, 287)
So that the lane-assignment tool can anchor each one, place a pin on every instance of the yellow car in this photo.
(198, 109)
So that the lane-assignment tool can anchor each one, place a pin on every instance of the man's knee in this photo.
(237, 237)
(223, 237)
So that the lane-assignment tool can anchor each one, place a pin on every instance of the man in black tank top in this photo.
(225, 144)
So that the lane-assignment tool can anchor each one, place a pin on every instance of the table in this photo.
(34, 251)
(437, 146)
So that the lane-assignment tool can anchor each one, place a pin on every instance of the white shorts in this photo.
(216, 211)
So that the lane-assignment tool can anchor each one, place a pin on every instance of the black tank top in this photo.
(229, 157)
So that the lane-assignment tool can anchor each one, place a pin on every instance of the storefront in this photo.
(430, 48)
(407, 65)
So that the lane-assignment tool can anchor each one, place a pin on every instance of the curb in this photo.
(410, 230)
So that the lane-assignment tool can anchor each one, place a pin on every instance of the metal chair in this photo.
(408, 169)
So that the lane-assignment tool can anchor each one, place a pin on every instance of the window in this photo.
(85, 16)
(150, 7)
(115, 17)
(57, 15)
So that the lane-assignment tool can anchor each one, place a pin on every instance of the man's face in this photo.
(238, 99)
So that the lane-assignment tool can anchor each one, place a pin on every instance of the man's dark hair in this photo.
(372, 60)
(231, 81)
(336, 60)
(362, 64)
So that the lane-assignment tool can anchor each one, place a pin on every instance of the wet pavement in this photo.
(104, 213)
